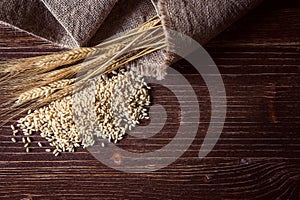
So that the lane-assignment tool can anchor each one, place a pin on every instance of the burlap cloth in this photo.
(88, 22)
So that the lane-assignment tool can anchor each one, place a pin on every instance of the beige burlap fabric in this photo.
(88, 22)
(74, 23)
(203, 19)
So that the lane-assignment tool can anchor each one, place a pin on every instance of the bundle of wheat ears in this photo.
(31, 83)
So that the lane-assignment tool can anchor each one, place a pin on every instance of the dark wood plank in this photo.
(257, 156)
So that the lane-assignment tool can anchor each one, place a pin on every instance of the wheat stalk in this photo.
(47, 62)
(44, 91)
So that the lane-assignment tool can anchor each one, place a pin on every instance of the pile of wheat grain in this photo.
(106, 108)
(71, 108)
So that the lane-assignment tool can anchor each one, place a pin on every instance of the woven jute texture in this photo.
(88, 22)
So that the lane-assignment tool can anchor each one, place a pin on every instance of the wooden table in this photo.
(257, 156)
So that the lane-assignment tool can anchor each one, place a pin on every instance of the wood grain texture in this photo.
(257, 156)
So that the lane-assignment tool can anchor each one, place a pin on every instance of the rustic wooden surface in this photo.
(257, 156)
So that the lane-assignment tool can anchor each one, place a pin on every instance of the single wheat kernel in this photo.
(55, 151)
(12, 127)
(26, 145)
(23, 140)
(40, 144)
(28, 140)
(27, 150)
(48, 150)
(13, 140)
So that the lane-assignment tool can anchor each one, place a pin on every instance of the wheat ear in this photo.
(43, 92)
